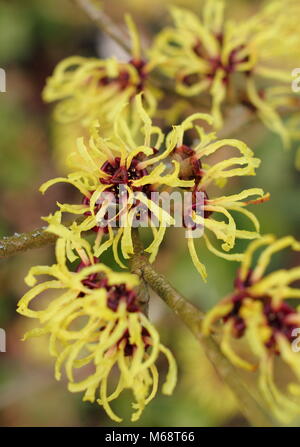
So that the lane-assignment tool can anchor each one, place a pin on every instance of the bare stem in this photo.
(25, 241)
(135, 267)
(104, 23)
(20, 242)
(188, 313)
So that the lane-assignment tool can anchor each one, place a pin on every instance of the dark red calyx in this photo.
(241, 284)
(139, 64)
(92, 281)
(220, 37)
(196, 206)
(216, 62)
(206, 214)
(191, 79)
(230, 66)
(120, 174)
(192, 169)
(184, 151)
(234, 58)
(239, 325)
(278, 319)
(199, 49)
(82, 265)
(130, 348)
(119, 293)
(115, 293)
(123, 79)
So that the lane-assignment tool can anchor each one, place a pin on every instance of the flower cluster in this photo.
(195, 164)
(230, 59)
(95, 322)
(92, 88)
(137, 166)
(127, 172)
(121, 174)
(259, 312)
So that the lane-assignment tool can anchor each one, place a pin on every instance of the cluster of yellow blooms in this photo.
(108, 164)
(92, 88)
(229, 59)
(97, 322)
(257, 310)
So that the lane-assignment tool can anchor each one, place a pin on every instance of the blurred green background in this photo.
(34, 36)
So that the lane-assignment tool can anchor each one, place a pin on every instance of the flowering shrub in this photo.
(153, 155)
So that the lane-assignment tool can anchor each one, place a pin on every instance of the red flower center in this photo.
(216, 63)
(115, 293)
(277, 318)
(123, 80)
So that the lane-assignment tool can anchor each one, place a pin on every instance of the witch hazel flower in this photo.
(122, 179)
(97, 331)
(119, 174)
(86, 89)
(261, 312)
(195, 164)
(230, 59)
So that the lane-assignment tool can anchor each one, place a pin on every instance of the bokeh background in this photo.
(34, 36)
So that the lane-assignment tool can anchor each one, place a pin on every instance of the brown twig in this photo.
(189, 314)
(135, 264)
(18, 243)
(104, 23)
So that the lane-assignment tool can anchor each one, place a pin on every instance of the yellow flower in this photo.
(228, 58)
(95, 321)
(119, 174)
(92, 88)
(194, 162)
(293, 125)
(257, 312)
